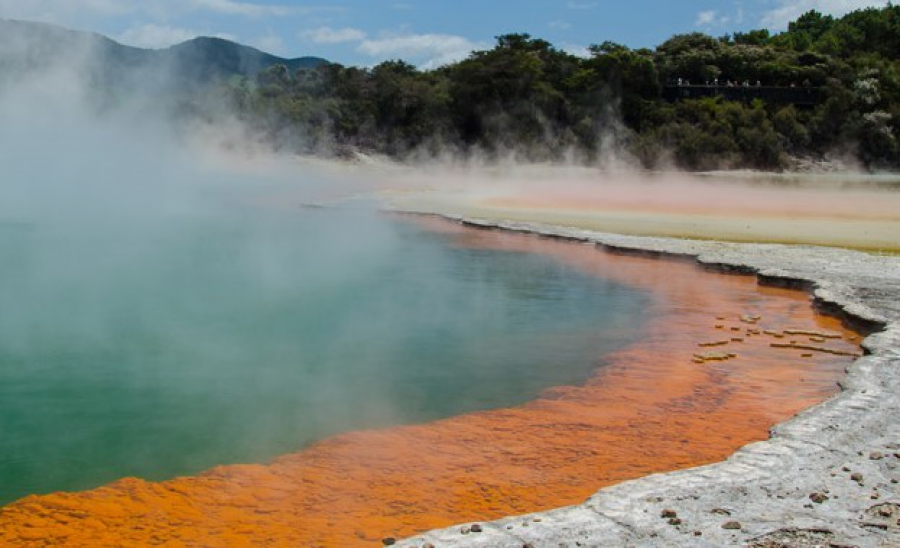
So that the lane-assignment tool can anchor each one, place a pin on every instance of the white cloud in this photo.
(270, 42)
(232, 7)
(577, 50)
(712, 18)
(328, 35)
(427, 50)
(67, 12)
(705, 18)
(61, 11)
(788, 10)
(156, 36)
(559, 25)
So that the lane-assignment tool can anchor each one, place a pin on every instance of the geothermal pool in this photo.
(163, 349)
(449, 375)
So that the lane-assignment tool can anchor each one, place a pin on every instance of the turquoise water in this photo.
(157, 349)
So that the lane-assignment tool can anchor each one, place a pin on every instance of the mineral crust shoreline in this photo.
(827, 477)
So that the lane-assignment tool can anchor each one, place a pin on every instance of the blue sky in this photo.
(426, 33)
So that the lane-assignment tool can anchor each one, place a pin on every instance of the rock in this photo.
(389, 541)
(675, 521)
(667, 513)
(818, 498)
(817, 334)
(732, 525)
(884, 516)
(713, 356)
(876, 455)
(476, 528)
(857, 477)
(796, 345)
(784, 538)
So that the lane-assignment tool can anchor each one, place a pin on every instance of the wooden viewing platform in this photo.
(798, 96)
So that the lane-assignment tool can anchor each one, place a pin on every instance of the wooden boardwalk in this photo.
(798, 96)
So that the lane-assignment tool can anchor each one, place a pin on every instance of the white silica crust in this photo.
(827, 477)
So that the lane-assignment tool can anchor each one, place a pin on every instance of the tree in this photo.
(752, 38)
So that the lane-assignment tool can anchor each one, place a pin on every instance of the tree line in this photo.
(527, 98)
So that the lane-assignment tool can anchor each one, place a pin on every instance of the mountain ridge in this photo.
(28, 45)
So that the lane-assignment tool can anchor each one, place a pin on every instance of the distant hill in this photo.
(28, 46)
(212, 57)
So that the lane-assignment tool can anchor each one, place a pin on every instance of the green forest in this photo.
(528, 99)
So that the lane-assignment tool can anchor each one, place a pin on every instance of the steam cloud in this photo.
(124, 224)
